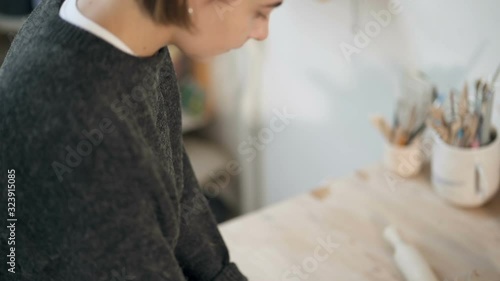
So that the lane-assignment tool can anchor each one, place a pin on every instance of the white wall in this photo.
(306, 71)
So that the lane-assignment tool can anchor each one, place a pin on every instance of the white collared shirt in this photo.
(70, 13)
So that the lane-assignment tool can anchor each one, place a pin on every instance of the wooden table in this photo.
(334, 233)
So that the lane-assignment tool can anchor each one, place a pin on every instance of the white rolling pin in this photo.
(409, 260)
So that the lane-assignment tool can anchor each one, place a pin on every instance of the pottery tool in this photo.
(416, 133)
(400, 137)
(463, 106)
(452, 106)
(437, 114)
(382, 126)
(413, 119)
(487, 109)
(455, 129)
(472, 129)
(439, 127)
(408, 259)
(495, 76)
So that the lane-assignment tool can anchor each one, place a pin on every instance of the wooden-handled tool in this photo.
(409, 260)
(382, 126)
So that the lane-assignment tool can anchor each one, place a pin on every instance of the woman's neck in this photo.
(125, 20)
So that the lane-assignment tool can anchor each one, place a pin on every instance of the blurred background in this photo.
(278, 118)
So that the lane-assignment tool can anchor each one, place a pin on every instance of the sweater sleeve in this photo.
(108, 218)
(202, 257)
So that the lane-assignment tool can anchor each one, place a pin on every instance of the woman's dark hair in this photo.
(171, 12)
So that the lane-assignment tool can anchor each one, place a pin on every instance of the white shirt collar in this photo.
(70, 13)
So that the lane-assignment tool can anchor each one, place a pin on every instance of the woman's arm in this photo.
(201, 251)
(102, 213)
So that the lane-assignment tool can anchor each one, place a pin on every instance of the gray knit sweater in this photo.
(103, 188)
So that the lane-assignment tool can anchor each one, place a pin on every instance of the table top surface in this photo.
(335, 232)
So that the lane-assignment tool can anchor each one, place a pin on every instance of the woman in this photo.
(92, 136)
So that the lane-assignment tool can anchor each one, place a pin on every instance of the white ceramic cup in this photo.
(405, 161)
(466, 177)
